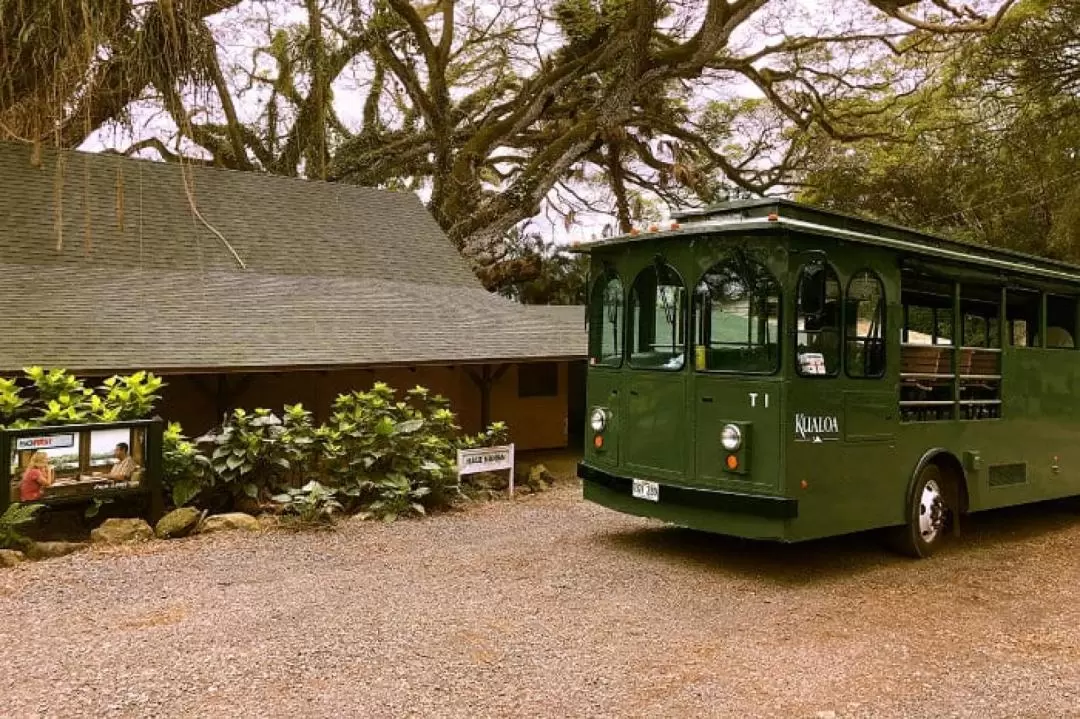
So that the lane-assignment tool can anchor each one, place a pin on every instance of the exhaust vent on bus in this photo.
(1001, 475)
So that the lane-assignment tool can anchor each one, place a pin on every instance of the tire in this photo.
(929, 514)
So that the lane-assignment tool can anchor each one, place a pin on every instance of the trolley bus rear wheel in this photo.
(929, 513)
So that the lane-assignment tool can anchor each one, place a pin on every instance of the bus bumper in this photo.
(752, 516)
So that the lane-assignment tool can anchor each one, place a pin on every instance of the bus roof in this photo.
(774, 213)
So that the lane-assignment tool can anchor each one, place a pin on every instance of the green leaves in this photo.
(15, 516)
(378, 455)
(311, 504)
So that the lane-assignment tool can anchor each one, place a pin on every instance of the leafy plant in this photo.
(12, 403)
(247, 454)
(311, 504)
(394, 457)
(15, 516)
(95, 507)
(130, 397)
(185, 471)
(59, 396)
(496, 434)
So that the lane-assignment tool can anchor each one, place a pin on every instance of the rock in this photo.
(178, 523)
(51, 550)
(10, 557)
(539, 477)
(119, 531)
(232, 520)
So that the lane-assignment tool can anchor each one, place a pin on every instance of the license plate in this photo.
(646, 490)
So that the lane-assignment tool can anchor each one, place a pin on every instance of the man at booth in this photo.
(125, 465)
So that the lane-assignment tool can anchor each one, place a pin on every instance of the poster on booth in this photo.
(75, 465)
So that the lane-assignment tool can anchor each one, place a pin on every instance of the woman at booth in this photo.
(37, 476)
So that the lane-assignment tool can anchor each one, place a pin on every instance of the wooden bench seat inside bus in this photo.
(924, 360)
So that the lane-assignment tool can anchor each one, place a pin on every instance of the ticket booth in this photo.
(76, 464)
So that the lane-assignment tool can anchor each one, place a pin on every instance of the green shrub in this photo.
(12, 403)
(311, 504)
(130, 397)
(185, 472)
(248, 456)
(393, 458)
(59, 397)
(15, 516)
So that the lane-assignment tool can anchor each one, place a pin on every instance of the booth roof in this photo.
(115, 264)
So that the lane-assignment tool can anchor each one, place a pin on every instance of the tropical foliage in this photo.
(377, 455)
(14, 517)
(55, 396)
(992, 155)
(499, 110)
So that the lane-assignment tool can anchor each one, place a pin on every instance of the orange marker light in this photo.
(598, 441)
(675, 225)
(732, 462)
(773, 217)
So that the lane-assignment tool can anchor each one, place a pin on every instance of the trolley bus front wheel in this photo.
(931, 512)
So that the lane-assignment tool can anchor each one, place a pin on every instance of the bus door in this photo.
(654, 408)
(737, 396)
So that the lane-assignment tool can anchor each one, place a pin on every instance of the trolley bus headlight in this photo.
(598, 420)
(731, 437)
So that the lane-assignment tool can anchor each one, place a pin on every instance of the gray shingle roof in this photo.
(336, 274)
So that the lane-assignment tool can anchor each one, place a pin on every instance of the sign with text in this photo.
(487, 459)
(52, 441)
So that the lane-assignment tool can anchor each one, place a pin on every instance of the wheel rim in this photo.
(931, 512)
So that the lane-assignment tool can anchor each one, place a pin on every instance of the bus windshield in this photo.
(736, 318)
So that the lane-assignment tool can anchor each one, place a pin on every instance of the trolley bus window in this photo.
(658, 319)
(736, 318)
(1022, 310)
(818, 321)
(1060, 322)
(606, 323)
(865, 335)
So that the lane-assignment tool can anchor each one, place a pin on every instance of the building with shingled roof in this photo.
(246, 290)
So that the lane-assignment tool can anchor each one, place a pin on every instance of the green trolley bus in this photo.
(770, 370)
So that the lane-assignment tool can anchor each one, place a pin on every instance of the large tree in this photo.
(992, 155)
(495, 110)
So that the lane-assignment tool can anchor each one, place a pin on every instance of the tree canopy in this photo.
(992, 154)
(495, 111)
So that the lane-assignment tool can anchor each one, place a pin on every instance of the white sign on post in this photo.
(487, 459)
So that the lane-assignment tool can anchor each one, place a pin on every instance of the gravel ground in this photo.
(548, 606)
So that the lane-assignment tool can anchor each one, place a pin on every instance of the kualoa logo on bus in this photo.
(816, 428)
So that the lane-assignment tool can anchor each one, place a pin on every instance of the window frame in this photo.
(840, 330)
(544, 391)
(779, 364)
(620, 342)
(631, 319)
(883, 332)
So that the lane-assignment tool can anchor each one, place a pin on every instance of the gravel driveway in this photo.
(548, 606)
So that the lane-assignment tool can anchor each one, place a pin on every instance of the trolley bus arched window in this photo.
(817, 321)
(657, 319)
(606, 322)
(865, 320)
(736, 318)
